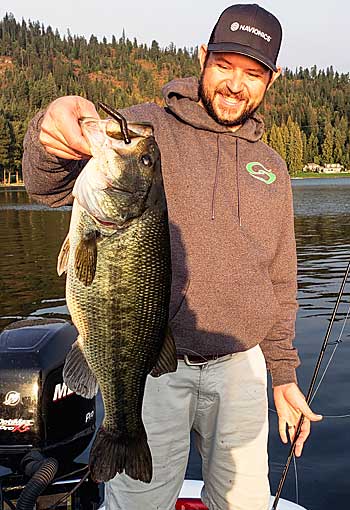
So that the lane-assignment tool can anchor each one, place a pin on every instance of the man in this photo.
(233, 301)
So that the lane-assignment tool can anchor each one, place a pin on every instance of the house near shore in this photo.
(312, 167)
(333, 168)
(328, 168)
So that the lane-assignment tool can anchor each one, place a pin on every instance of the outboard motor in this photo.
(40, 417)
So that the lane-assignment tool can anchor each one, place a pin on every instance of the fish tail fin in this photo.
(77, 374)
(113, 453)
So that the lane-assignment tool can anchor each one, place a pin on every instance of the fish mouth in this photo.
(120, 191)
(112, 226)
(104, 223)
(117, 188)
(136, 194)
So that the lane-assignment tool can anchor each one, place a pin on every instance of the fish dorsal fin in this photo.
(62, 261)
(85, 259)
(167, 361)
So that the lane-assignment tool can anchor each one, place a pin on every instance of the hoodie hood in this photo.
(181, 97)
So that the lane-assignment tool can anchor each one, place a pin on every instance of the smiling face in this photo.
(232, 86)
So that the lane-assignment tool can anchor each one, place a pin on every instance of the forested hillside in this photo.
(307, 111)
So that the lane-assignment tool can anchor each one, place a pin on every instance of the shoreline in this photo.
(12, 187)
(314, 175)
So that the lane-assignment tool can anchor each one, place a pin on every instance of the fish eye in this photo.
(146, 160)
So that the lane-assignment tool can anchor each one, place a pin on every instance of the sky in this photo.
(316, 32)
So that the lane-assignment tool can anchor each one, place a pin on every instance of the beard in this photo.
(225, 116)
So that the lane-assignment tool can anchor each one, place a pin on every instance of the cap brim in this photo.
(242, 50)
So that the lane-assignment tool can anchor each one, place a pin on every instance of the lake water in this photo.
(30, 239)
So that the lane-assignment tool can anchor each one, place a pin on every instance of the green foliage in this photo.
(306, 112)
(328, 144)
(318, 103)
(277, 141)
(7, 141)
(294, 157)
(312, 155)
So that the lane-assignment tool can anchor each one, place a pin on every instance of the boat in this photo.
(189, 498)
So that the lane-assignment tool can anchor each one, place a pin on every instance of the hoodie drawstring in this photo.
(217, 177)
(237, 183)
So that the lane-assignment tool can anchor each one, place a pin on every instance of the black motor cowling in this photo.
(37, 410)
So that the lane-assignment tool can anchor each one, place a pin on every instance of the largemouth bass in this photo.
(117, 259)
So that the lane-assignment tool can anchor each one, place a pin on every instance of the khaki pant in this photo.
(225, 403)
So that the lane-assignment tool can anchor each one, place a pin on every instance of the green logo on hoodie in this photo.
(258, 171)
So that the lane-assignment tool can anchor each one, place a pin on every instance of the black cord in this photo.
(66, 496)
(70, 474)
(9, 503)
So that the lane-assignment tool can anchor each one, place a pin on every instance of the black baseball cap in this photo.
(250, 30)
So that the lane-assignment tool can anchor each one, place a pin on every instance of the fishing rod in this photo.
(311, 388)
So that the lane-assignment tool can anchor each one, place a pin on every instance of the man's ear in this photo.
(274, 76)
(202, 55)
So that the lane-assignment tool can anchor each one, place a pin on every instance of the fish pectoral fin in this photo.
(167, 361)
(85, 260)
(62, 261)
(77, 374)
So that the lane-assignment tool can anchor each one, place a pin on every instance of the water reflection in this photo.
(315, 197)
(322, 226)
(30, 239)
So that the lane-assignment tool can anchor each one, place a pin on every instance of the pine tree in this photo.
(6, 146)
(277, 142)
(286, 139)
(265, 137)
(345, 161)
(295, 149)
(340, 136)
(305, 154)
(328, 143)
(312, 150)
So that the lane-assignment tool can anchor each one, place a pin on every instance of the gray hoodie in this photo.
(231, 223)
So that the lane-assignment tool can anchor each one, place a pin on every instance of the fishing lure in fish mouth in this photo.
(119, 118)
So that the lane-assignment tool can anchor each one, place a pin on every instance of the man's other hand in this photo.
(290, 404)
